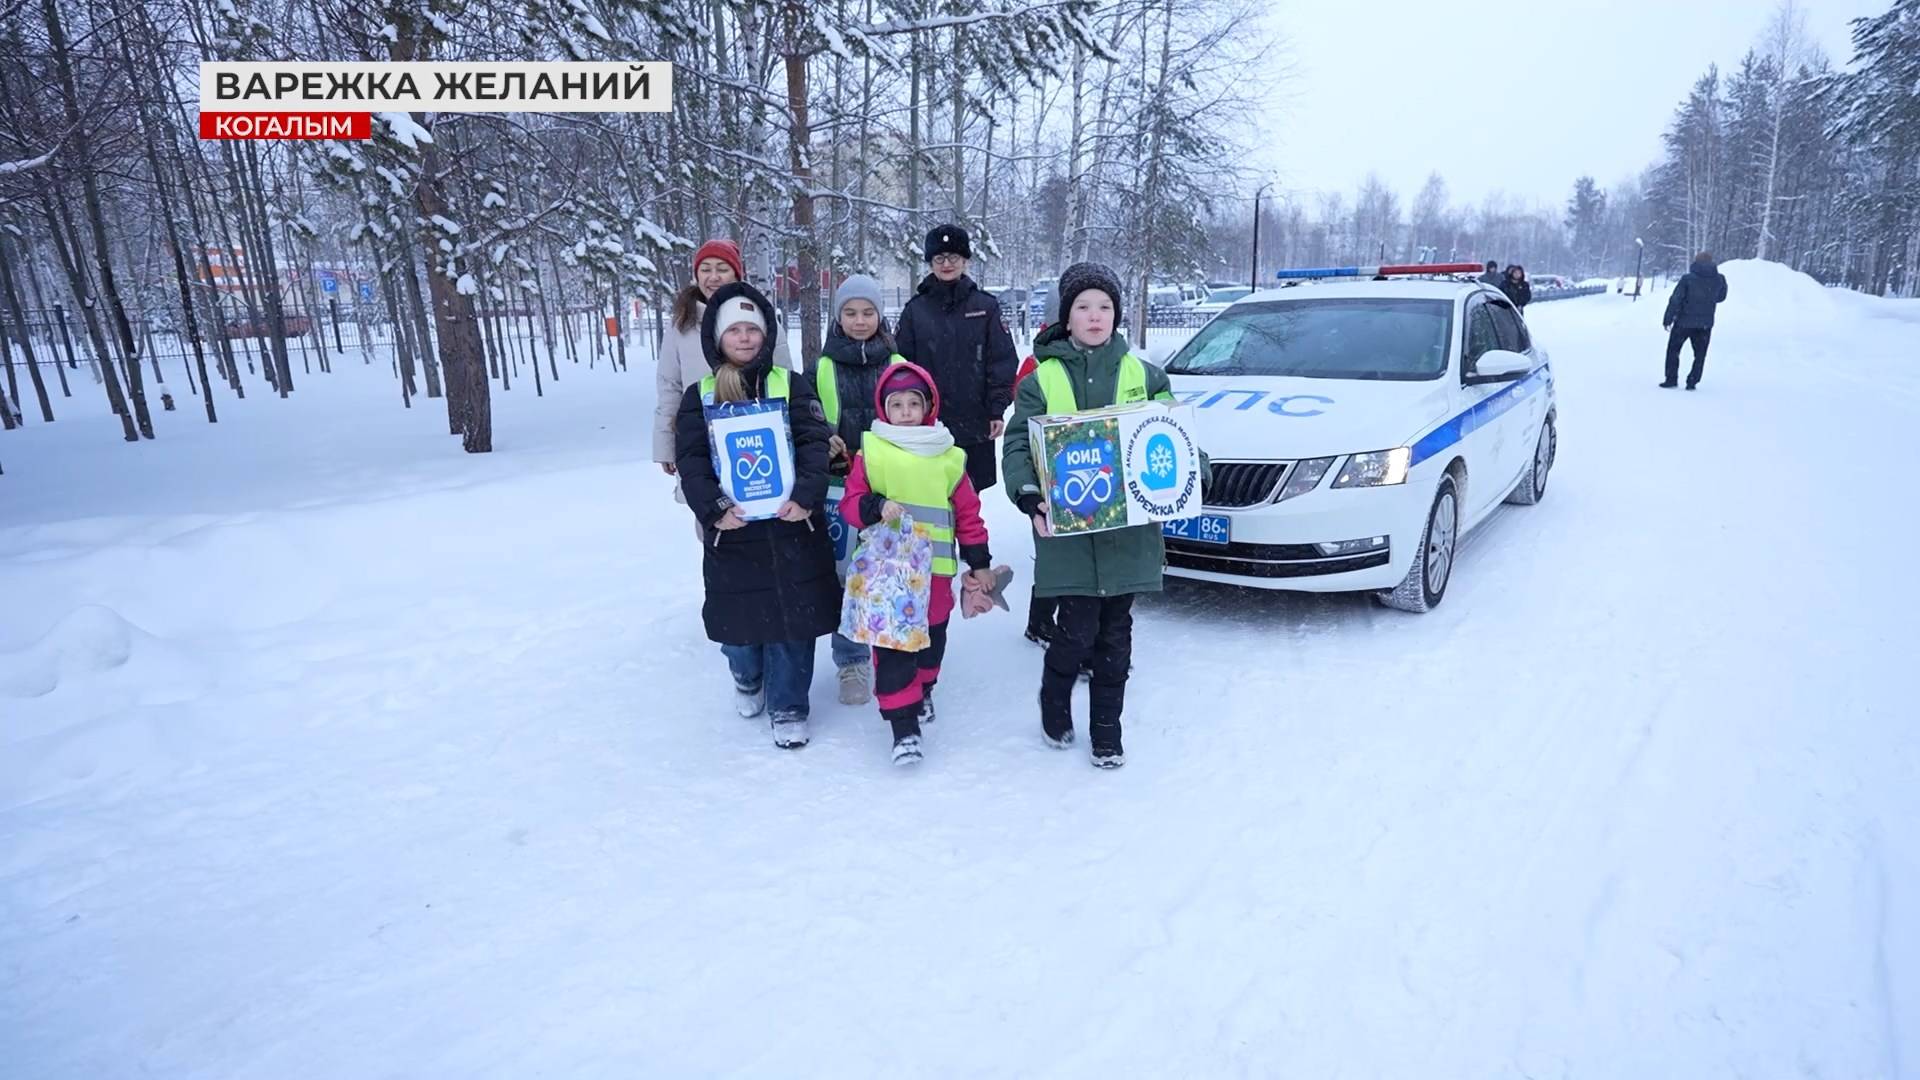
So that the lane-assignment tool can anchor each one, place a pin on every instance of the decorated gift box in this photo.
(1117, 467)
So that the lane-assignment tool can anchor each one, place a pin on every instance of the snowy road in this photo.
(326, 751)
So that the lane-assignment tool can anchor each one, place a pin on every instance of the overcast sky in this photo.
(1520, 96)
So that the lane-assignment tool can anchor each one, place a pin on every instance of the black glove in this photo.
(1029, 503)
(976, 556)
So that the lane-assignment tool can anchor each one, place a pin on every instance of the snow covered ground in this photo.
(328, 751)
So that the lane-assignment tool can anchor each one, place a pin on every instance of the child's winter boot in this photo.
(905, 722)
(1103, 728)
(1056, 720)
(789, 731)
(749, 702)
(856, 684)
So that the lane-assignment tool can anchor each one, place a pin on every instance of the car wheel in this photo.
(1426, 582)
(1533, 486)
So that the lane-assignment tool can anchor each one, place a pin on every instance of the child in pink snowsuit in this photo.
(908, 464)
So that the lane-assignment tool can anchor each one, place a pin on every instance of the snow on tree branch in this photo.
(15, 168)
(409, 133)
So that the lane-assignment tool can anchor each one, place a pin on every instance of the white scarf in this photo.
(926, 440)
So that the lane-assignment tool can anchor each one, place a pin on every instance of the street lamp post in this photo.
(1639, 257)
(1253, 274)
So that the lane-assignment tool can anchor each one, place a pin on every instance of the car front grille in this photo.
(1239, 484)
(1268, 560)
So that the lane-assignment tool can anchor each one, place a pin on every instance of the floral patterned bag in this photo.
(889, 581)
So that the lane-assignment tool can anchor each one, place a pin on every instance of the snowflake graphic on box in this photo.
(1160, 462)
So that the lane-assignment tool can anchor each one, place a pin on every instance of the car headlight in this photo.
(1306, 476)
(1377, 469)
(1352, 547)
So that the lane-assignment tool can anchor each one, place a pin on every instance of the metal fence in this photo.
(1541, 296)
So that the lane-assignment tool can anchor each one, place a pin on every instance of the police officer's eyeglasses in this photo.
(949, 260)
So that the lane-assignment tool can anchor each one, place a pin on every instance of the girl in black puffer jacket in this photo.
(770, 587)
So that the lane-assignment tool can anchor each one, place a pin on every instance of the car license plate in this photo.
(1206, 528)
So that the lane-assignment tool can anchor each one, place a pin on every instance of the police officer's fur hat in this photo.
(949, 240)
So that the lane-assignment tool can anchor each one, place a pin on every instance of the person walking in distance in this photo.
(1689, 317)
(1517, 287)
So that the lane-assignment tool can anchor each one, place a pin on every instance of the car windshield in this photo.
(1227, 296)
(1361, 338)
(1163, 296)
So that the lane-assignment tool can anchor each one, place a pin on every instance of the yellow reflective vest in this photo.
(924, 486)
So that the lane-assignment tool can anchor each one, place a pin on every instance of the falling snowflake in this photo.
(1160, 462)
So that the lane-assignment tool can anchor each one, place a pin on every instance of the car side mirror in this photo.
(1500, 365)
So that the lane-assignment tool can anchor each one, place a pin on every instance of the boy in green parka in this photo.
(1084, 364)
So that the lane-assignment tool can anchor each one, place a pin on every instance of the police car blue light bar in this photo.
(1310, 273)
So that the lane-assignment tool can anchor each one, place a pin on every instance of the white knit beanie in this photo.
(738, 309)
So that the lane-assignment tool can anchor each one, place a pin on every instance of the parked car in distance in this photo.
(1012, 298)
(1040, 300)
(1217, 300)
(1166, 298)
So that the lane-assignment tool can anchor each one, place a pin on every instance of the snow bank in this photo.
(82, 702)
(1770, 298)
(96, 650)
(92, 639)
(1761, 293)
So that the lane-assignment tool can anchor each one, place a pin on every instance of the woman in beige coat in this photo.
(682, 361)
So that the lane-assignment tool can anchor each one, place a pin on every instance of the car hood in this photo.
(1248, 417)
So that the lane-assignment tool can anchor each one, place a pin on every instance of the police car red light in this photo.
(1377, 271)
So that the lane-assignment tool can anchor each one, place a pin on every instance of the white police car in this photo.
(1358, 428)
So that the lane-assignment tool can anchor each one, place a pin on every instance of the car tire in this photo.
(1426, 582)
(1533, 486)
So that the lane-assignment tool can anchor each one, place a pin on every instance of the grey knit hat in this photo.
(1080, 277)
(857, 287)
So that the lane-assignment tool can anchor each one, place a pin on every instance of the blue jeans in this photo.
(847, 652)
(783, 668)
